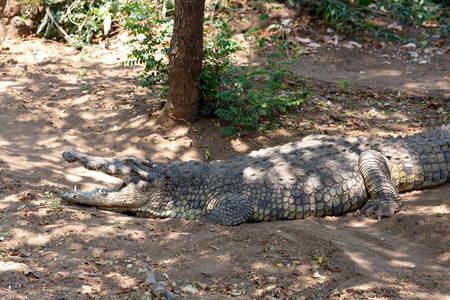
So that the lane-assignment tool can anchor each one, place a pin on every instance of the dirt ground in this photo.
(53, 98)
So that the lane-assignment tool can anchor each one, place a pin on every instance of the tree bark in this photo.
(185, 61)
(4, 8)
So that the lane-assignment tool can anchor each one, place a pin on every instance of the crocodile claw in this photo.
(383, 207)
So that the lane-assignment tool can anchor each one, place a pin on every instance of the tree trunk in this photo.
(185, 58)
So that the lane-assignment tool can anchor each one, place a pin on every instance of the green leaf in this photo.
(365, 2)
(263, 17)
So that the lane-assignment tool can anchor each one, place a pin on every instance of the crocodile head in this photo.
(140, 182)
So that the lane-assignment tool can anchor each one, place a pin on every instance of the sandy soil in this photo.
(58, 250)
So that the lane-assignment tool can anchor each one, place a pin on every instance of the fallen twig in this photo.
(63, 33)
(156, 289)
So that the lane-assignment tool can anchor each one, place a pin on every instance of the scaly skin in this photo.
(317, 176)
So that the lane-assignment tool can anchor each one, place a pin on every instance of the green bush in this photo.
(144, 18)
(218, 58)
(253, 97)
(76, 21)
(358, 15)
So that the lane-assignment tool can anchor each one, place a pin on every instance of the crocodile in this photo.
(317, 176)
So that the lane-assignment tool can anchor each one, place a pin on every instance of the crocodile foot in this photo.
(381, 207)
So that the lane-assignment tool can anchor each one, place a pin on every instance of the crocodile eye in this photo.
(152, 180)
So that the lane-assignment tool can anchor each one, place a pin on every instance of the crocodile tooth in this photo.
(75, 189)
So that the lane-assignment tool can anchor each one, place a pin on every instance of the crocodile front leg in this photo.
(384, 196)
(228, 209)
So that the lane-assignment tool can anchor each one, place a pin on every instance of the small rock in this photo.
(19, 27)
(27, 271)
(297, 272)
(303, 40)
(410, 45)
